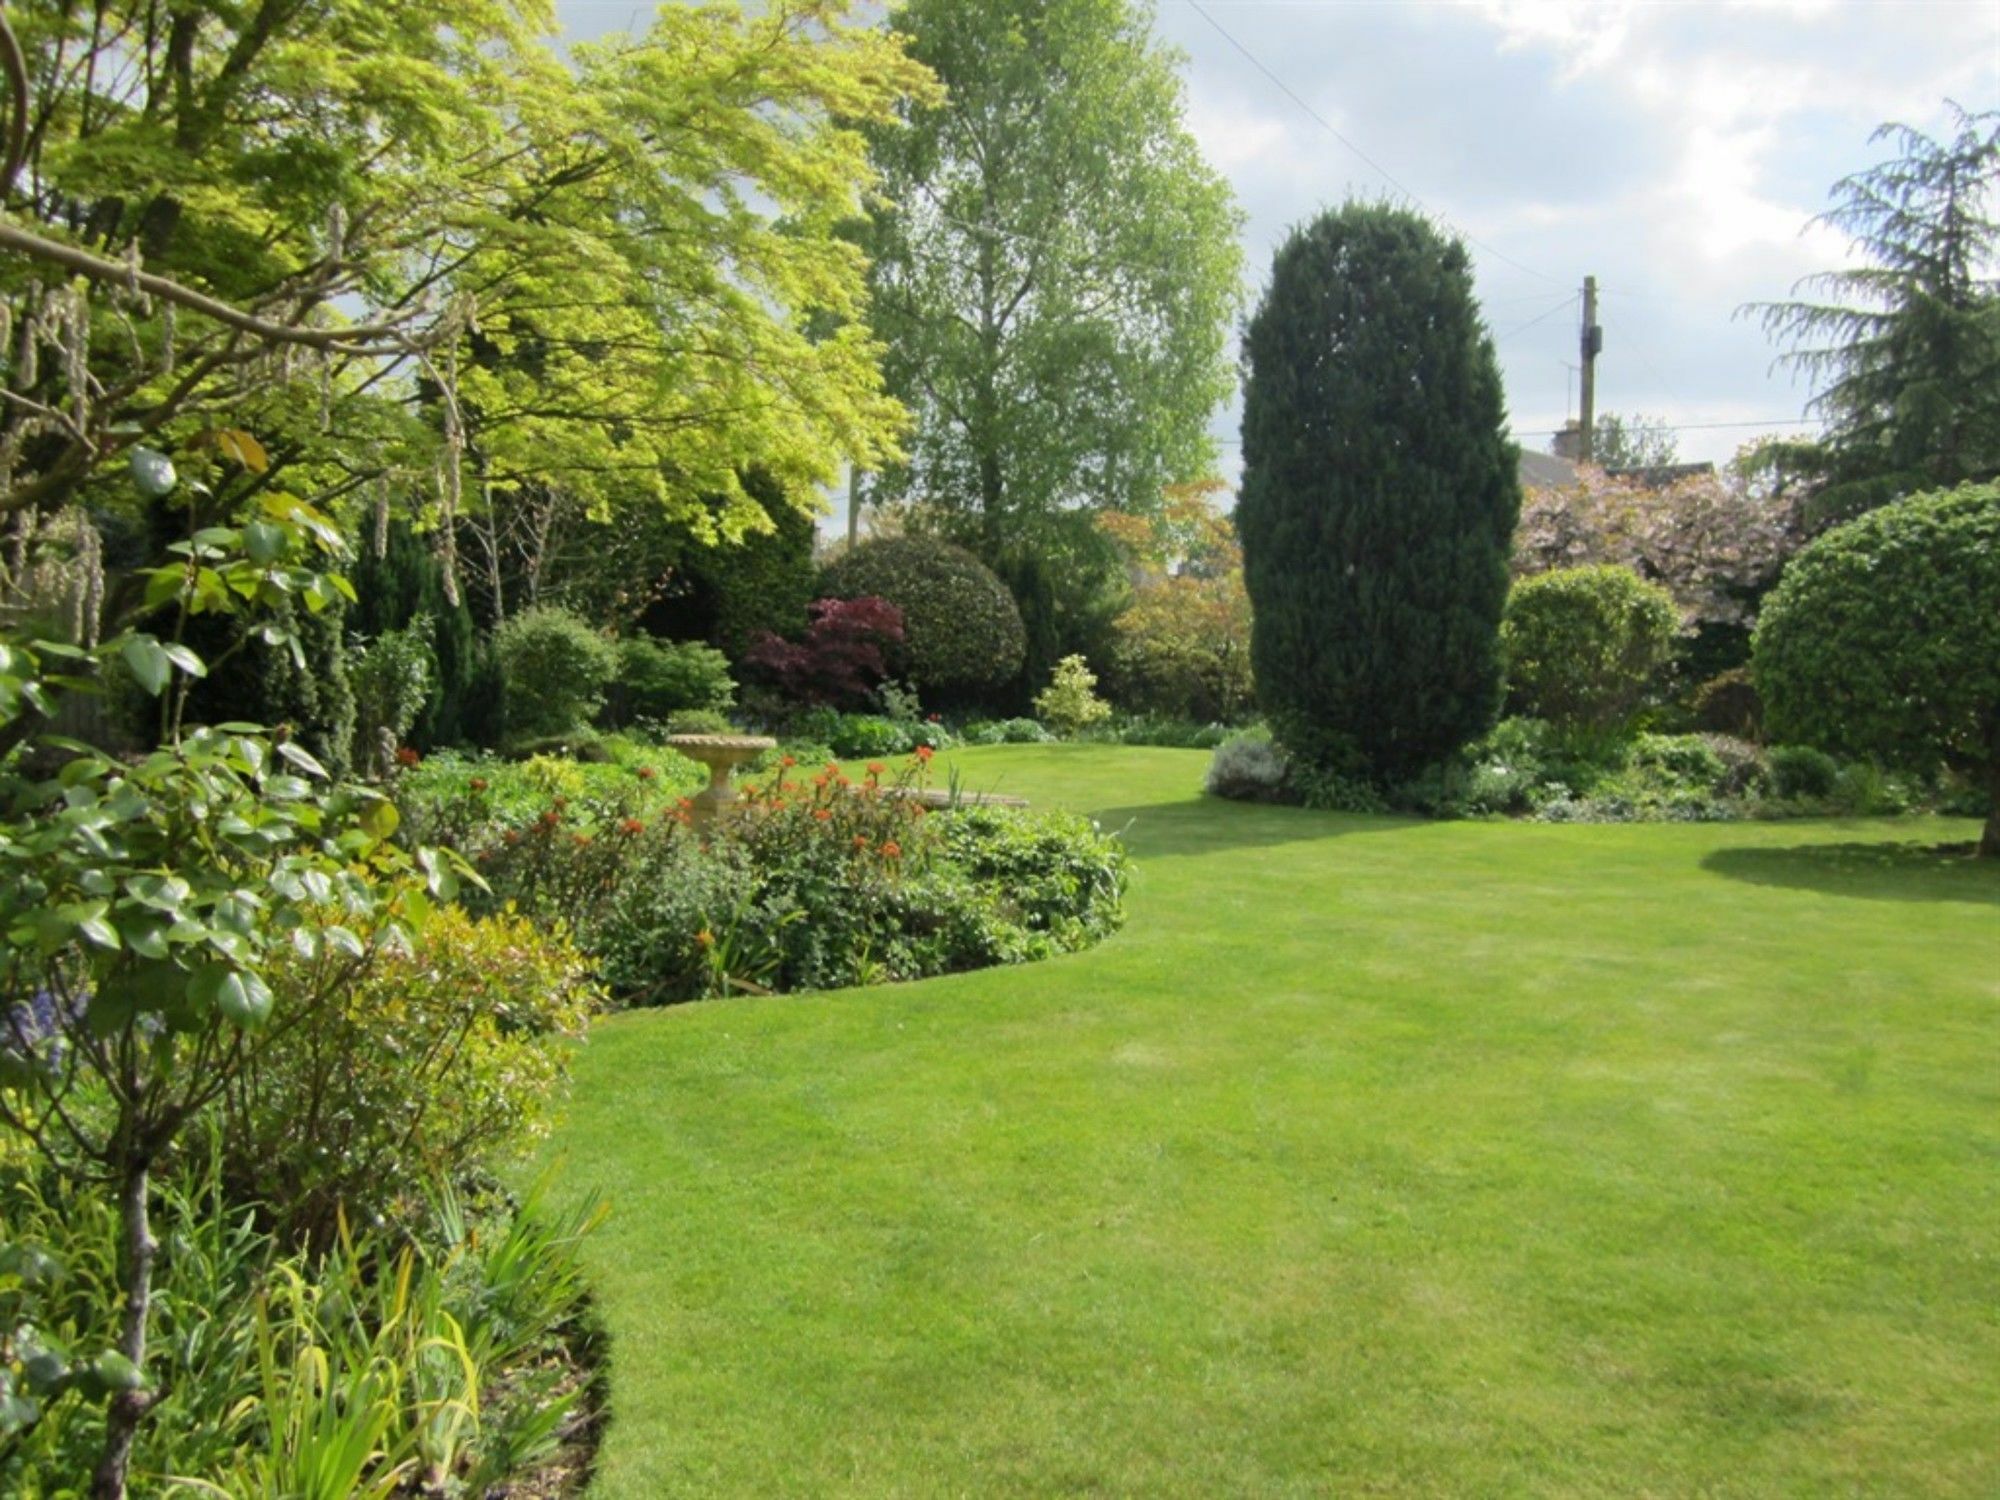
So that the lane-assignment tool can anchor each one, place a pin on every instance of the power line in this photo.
(1327, 125)
(1664, 426)
(1501, 338)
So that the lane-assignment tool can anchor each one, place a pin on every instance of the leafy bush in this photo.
(1801, 772)
(841, 659)
(433, 1064)
(813, 880)
(1068, 704)
(1728, 704)
(1007, 732)
(1169, 733)
(1583, 646)
(698, 721)
(282, 1373)
(962, 630)
(1683, 759)
(1248, 768)
(1882, 639)
(556, 669)
(658, 679)
(392, 679)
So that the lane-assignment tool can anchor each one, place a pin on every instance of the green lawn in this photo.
(1373, 1158)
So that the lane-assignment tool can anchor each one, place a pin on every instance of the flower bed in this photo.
(814, 880)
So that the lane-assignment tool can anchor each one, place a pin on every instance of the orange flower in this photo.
(478, 783)
(704, 938)
(406, 757)
(631, 825)
(646, 773)
(581, 839)
(924, 753)
(821, 813)
(876, 768)
(861, 841)
(892, 850)
(789, 761)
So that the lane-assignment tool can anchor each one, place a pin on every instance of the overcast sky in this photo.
(1674, 149)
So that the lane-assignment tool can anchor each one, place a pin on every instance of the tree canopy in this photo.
(1906, 347)
(412, 244)
(1054, 271)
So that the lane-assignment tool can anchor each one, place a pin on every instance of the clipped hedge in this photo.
(962, 629)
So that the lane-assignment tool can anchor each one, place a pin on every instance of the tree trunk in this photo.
(1989, 841)
(128, 1408)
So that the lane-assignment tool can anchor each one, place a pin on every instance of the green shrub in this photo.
(392, 676)
(1169, 733)
(814, 880)
(556, 669)
(698, 721)
(1068, 704)
(658, 679)
(1682, 759)
(962, 630)
(1728, 704)
(1882, 639)
(428, 1067)
(1584, 646)
(282, 1373)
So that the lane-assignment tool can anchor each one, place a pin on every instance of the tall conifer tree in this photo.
(1379, 495)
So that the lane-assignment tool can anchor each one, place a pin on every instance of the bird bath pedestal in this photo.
(721, 753)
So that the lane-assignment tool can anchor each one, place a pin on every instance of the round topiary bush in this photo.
(961, 629)
(1882, 639)
(1584, 645)
(555, 668)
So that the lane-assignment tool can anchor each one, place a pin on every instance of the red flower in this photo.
(550, 819)
(511, 836)
(478, 783)
(861, 841)
(405, 756)
(931, 718)
(821, 813)
(631, 825)
(646, 773)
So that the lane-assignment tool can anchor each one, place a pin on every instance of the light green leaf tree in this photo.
(1054, 272)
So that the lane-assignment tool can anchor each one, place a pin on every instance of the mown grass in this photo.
(1373, 1158)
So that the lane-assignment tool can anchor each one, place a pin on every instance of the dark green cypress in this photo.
(406, 584)
(1379, 495)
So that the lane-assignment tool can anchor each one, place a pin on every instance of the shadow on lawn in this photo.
(1212, 825)
(1872, 872)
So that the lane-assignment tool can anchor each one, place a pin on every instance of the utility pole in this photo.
(1592, 343)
